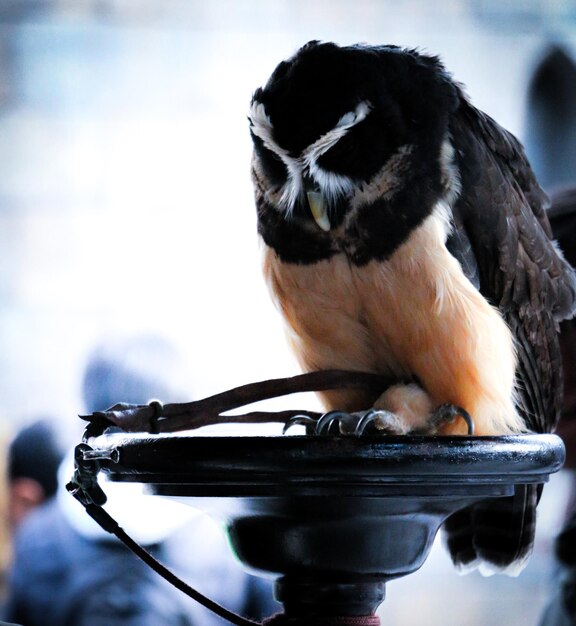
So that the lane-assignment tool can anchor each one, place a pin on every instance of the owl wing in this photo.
(504, 243)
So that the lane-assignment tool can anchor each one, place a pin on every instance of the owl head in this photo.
(337, 128)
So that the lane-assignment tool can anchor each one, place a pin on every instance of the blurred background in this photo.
(126, 202)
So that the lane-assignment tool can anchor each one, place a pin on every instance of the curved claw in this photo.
(365, 421)
(324, 424)
(449, 412)
(467, 418)
(299, 420)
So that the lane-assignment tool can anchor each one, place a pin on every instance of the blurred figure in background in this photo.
(68, 572)
(33, 459)
(134, 369)
(562, 215)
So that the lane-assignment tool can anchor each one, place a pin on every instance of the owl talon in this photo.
(355, 424)
(380, 421)
(327, 421)
(300, 420)
(376, 421)
(447, 413)
(365, 421)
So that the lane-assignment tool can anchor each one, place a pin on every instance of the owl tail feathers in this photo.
(496, 535)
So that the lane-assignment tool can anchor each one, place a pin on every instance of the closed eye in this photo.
(364, 149)
(346, 157)
(272, 165)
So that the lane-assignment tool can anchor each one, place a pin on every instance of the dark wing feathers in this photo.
(499, 531)
(460, 246)
(503, 211)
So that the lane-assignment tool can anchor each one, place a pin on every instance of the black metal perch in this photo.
(332, 518)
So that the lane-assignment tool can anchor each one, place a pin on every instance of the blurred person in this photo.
(33, 459)
(67, 571)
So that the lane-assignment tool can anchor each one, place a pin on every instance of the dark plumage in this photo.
(405, 234)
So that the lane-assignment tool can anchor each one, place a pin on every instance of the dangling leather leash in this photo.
(85, 488)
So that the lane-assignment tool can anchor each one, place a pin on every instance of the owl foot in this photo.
(359, 423)
(446, 414)
(377, 421)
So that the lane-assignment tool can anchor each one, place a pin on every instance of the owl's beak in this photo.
(318, 209)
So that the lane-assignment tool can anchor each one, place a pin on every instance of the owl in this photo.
(404, 233)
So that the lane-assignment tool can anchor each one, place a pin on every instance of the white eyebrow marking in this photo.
(333, 185)
(344, 124)
(261, 126)
(330, 183)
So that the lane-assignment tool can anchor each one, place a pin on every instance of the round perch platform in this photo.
(333, 518)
